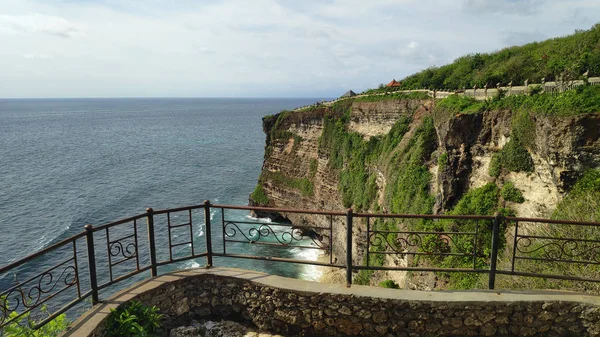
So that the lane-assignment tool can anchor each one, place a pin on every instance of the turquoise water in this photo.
(67, 163)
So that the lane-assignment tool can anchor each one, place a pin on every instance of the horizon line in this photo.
(162, 97)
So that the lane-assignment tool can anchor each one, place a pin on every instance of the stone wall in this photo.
(296, 307)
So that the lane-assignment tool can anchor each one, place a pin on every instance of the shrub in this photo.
(510, 193)
(459, 103)
(442, 161)
(495, 165)
(23, 326)
(133, 320)
(523, 129)
(389, 284)
(535, 90)
(516, 158)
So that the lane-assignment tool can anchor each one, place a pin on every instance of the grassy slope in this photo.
(570, 55)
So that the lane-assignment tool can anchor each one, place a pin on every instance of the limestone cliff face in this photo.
(564, 148)
(298, 174)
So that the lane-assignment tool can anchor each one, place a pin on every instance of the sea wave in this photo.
(265, 220)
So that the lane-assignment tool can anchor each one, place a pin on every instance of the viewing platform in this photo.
(102, 260)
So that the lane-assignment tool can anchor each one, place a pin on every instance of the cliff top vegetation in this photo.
(569, 56)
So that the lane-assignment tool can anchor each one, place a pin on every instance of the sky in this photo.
(255, 48)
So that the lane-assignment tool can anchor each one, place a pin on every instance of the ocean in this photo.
(65, 163)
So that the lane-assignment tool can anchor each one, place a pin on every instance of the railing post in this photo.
(495, 244)
(208, 234)
(349, 248)
(89, 235)
(151, 244)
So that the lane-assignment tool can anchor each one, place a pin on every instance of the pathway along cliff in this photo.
(407, 153)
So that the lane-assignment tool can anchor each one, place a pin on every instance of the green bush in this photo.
(389, 284)
(523, 129)
(442, 161)
(510, 193)
(535, 90)
(133, 320)
(516, 158)
(23, 326)
(460, 103)
(495, 165)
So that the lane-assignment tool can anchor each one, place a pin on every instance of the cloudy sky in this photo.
(255, 48)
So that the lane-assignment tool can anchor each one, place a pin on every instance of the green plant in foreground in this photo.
(133, 320)
(23, 326)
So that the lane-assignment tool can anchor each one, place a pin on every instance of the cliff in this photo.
(416, 156)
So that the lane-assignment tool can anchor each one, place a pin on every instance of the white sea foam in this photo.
(191, 264)
(265, 220)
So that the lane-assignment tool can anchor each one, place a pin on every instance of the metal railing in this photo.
(66, 273)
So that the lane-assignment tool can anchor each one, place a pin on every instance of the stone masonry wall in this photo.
(280, 309)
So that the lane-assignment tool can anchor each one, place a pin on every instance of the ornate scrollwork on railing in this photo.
(433, 243)
(293, 235)
(127, 251)
(559, 250)
(30, 294)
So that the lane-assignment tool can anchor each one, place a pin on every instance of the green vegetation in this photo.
(389, 284)
(583, 99)
(297, 141)
(523, 129)
(359, 162)
(396, 95)
(314, 165)
(479, 201)
(581, 204)
(495, 165)
(460, 104)
(442, 161)
(304, 185)
(411, 178)
(571, 55)
(583, 201)
(259, 196)
(510, 193)
(357, 158)
(515, 158)
(23, 326)
(133, 320)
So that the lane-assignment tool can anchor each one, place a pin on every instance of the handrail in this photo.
(54, 280)
(41, 252)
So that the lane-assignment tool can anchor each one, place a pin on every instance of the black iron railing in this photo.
(82, 266)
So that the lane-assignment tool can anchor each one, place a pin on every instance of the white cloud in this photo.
(34, 56)
(35, 22)
(514, 7)
(253, 48)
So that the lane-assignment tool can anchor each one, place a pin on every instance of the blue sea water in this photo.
(65, 163)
